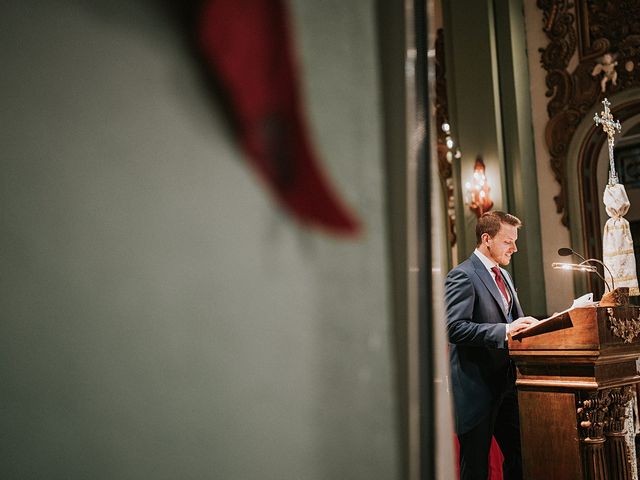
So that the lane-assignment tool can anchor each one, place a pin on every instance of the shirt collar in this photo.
(486, 261)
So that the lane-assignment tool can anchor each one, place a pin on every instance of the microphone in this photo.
(583, 266)
(565, 252)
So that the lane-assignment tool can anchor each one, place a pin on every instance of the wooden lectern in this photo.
(576, 374)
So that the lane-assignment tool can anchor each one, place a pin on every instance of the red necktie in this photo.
(500, 283)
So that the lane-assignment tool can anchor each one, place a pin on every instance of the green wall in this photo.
(490, 107)
(161, 317)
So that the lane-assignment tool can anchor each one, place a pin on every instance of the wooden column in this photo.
(591, 414)
(616, 446)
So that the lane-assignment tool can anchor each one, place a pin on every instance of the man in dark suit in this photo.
(482, 310)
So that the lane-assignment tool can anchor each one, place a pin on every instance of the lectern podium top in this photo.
(595, 329)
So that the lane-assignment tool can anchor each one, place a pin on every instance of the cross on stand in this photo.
(609, 127)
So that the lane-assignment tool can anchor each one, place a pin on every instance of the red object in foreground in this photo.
(495, 460)
(248, 48)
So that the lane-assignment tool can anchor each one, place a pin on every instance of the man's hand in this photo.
(521, 323)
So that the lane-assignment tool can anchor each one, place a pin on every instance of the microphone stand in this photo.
(598, 273)
(568, 251)
(613, 285)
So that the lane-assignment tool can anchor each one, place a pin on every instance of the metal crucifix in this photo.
(609, 127)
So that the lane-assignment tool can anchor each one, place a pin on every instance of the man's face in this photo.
(503, 245)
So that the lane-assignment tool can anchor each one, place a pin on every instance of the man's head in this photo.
(496, 235)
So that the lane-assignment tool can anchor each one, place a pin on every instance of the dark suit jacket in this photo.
(476, 319)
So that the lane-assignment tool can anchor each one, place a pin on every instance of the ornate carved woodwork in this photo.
(624, 325)
(618, 455)
(445, 157)
(591, 414)
(575, 379)
(601, 419)
(592, 28)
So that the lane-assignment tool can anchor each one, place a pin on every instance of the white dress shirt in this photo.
(489, 264)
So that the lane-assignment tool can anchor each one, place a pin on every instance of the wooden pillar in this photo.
(616, 445)
(591, 414)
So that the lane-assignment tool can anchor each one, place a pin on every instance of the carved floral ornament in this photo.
(601, 416)
(591, 414)
(603, 411)
(606, 37)
(628, 329)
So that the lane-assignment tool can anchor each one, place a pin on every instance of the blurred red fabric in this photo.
(249, 51)
(495, 460)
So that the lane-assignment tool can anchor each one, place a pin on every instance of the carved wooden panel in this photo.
(445, 153)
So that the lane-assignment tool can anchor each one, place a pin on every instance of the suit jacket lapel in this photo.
(488, 281)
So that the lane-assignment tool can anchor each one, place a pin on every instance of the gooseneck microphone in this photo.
(565, 252)
(583, 266)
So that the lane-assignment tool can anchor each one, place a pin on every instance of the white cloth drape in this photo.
(617, 244)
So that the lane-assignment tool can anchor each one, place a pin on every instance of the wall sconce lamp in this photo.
(478, 190)
(452, 150)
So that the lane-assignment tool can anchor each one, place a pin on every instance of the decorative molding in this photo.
(617, 411)
(591, 413)
(571, 94)
(619, 456)
(592, 410)
(593, 28)
(445, 157)
(628, 329)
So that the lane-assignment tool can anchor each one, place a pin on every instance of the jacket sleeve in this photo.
(460, 299)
